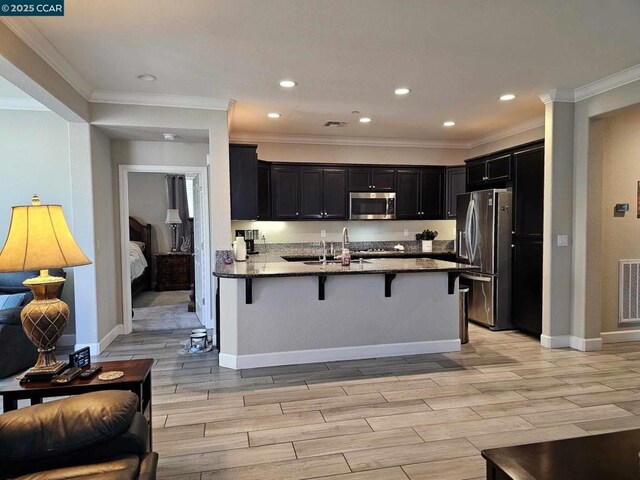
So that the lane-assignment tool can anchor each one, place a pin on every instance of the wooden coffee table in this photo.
(136, 379)
(594, 457)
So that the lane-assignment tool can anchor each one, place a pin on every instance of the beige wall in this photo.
(508, 142)
(30, 143)
(148, 204)
(106, 240)
(620, 176)
(290, 152)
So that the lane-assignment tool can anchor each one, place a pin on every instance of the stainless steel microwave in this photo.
(372, 206)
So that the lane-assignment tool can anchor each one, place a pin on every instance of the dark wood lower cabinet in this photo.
(526, 277)
(174, 271)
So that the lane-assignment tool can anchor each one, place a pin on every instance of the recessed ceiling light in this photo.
(273, 115)
(169, 136)
(507, 96)
(402, 91)
(449, 123)
(147, 77)
(365, 120)
(288, 83)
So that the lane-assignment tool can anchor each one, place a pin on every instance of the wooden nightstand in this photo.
(174, 271)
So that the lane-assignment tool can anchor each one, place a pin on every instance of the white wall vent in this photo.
(629, 292)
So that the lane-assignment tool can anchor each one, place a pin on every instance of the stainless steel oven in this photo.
(372, 206)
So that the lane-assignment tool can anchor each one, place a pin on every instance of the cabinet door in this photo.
(242, 170)
(456, 184)
(285, 188)
(528, 192)
(383, 180)
(334, 193)
(476, 173)
(311, 193)
(408, 194)
(359, 180)
(499, 168)
(432, 192)
(526, 280)
(264, 191)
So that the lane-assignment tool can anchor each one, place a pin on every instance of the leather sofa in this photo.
(98, 435)
(17, 353)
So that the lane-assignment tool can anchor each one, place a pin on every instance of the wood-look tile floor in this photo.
(416, 417)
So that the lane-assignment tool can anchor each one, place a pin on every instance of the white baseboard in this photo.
(335, 354)
(67, 340)
(571, 341)
(620, 336)
(98, 348)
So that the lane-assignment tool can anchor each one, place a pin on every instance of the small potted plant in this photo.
(426, 237)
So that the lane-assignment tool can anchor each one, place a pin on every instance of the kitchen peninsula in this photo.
(274, 312)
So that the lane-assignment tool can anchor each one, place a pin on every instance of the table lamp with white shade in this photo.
(39, 239)
(173, 218)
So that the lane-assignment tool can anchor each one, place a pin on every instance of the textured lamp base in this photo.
(43, 320)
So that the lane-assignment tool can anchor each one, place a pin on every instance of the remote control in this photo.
(90, 372)
(68, 375)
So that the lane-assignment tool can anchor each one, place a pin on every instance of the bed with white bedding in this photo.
(139, 256)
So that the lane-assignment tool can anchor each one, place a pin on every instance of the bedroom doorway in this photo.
(164, 225)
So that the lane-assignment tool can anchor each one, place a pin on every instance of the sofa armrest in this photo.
(10, 316)
(148, 466)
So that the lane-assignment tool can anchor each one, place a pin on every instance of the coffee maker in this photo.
(250, 237)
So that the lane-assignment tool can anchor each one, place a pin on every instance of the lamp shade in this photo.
(39, 239)
(173, 216)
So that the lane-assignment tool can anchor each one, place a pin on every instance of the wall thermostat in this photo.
(622, 207)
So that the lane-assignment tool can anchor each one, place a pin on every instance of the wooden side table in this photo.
(173, 271)
(136, 379)
(593, 457)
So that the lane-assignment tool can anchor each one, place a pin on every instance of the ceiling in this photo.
(457, 56)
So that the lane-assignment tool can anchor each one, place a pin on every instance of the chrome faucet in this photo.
(345, 238)
(324, 252)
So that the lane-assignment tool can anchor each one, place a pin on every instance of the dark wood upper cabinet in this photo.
(493, 171)
(408, 194)
(528, 189)
(455, 185)
(419, 194)
(432, 193)
(243, 163)
(264, 191)
(285, 189)
(363, 179)
(311, 194)
(334, 193)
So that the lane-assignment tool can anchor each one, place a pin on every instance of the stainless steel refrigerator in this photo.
(483, 238)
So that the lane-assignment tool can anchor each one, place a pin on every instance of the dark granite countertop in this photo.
(265, 267)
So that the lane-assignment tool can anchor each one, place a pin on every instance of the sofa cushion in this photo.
(10, 301)
(58, 428)
(10, 316)
(125, 467)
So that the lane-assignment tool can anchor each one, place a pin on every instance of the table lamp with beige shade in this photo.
(39, 239)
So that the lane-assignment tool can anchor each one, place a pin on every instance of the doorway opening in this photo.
(165, 244)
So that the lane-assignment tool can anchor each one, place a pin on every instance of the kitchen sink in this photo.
(333, 262)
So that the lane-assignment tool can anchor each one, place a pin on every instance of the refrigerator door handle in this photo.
(467, 230)
(460, 235)
(476, 278)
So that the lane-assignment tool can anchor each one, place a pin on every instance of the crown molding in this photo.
(605, 84)
(565, 95)
(20, 103)
(231, 108)
(244, 137)
(158, 100)
(509, 131)
(29, 34)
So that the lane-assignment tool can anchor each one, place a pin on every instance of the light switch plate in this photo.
(323, 233)
(563, 240)
(406, 232)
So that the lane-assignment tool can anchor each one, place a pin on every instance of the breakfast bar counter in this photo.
(278, 312)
